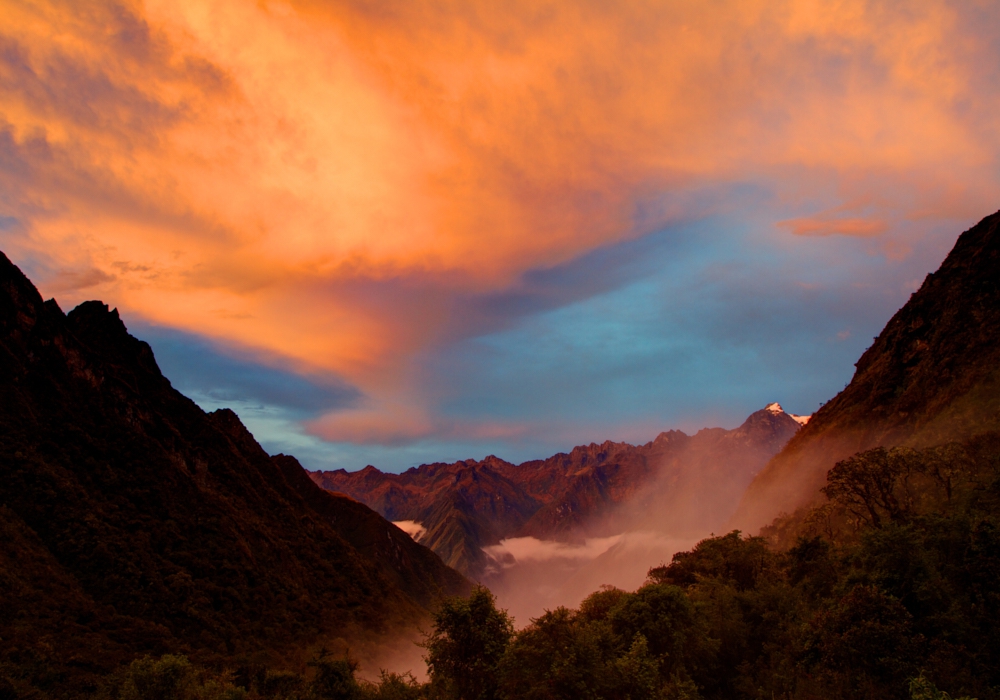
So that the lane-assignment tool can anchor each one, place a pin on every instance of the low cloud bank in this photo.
(533, 575)
(411, 528)
(531, 549)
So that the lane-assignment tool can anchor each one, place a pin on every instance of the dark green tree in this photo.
(393, 686)
(599, 604)
(464, 649)
(557, 657)
(923, 689)
(334, 678)
(170, 677)
(663, 615)
(166, 678)
(636, 674)
(863, 645)
(874, 486)
(733, 559)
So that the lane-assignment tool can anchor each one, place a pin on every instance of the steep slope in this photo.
(414, 570)
(469, 505)
(932, 375)
(137, 523)
(577, 489)
(461, 506)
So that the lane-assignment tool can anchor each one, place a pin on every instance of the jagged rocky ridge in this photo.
(931, 376)
(468, 505)
(133, 522)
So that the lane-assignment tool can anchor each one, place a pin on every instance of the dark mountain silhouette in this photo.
(932, 376)
(471, 504)
(133, 522)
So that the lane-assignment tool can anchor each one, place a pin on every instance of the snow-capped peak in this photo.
(776, 409)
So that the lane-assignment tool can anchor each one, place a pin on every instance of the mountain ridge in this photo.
(931, 376)
(137, 523)
(467, 505)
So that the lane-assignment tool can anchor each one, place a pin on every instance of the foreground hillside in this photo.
(692, 481)
(135, 523)
(888, 590)
(931, 376)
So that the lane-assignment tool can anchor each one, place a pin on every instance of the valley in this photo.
(597, 515)
(146, 536)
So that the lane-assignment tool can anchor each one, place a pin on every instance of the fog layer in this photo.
(692, 492)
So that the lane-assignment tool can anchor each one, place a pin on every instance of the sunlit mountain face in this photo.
(420, 232)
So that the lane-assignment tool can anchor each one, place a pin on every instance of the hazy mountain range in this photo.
(461, 508)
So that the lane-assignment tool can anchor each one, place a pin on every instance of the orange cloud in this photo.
(397, 425)
(255, 171)
(817, 226)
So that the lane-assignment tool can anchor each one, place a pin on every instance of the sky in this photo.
(409, 231)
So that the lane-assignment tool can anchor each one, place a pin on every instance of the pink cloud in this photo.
(401, 426)
(813, 226)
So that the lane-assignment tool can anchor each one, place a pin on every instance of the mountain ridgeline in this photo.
(693, 481)
(931, 376)
(133, 522)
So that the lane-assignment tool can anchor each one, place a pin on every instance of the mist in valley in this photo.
(544, 575)
(692, 494)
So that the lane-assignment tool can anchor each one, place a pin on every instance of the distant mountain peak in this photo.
(777, 410)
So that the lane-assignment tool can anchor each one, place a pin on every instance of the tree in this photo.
(598, 604)
(663, 615)
(874, 485)
(168, 678)
(863, 645)
(334, 679)
(556, 657)
(393, 686)
(923, 689)
(636, 674)
(464, 650)
(730, 558)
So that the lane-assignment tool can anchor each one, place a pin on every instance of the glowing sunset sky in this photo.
(404, 231)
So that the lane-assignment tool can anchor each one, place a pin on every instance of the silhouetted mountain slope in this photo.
(461, 505)
(414, 570)
(932, 375)
(134, 522)
(469, 505)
